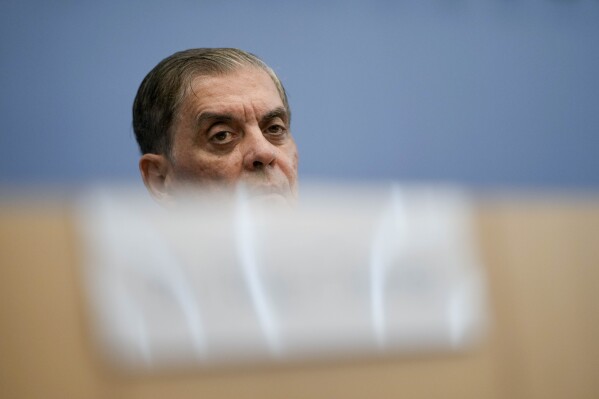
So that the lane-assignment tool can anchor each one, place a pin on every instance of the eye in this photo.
(276, 130)
(222, 137)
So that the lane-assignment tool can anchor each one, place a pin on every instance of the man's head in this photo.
(214, 118)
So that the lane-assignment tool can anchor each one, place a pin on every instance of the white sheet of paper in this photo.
(349, 271)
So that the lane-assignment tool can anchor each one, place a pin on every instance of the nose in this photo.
(259, 152)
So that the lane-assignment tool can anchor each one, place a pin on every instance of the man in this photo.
(215, 118)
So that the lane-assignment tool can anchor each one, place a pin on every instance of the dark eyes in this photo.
(222, 137)
(276, 130)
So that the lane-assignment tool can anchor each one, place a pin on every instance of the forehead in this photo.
(243, 87)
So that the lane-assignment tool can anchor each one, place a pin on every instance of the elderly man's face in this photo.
(231, 129)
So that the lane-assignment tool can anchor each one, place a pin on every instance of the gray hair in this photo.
(164, 88)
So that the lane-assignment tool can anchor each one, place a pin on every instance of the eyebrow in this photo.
(214, 117)
(279, 112)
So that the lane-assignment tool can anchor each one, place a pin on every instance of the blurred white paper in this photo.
(347, 271)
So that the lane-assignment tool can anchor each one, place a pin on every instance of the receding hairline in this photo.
(173, 79)
(187, 86)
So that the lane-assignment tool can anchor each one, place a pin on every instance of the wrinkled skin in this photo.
(230, 129)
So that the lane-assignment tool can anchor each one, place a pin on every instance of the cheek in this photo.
(209, 168)
(291, 158)
(295, 161)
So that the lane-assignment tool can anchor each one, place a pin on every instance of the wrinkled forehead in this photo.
(241, 77)
(243, 85)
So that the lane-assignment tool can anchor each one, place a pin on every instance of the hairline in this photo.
(164, 91)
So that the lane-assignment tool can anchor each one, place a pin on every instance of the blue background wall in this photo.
(481, 92)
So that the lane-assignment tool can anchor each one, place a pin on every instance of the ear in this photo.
(155, 170)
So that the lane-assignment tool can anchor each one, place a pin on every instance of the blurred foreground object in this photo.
(540, 254)
(353, 270)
